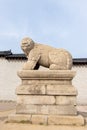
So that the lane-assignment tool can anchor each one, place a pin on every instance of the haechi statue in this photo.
(44, 55)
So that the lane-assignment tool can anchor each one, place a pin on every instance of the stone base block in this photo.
(61, 90)
(35, 100)
(46, 119)
(53, 74)
(66, 100)
(46, 97)
(31, 89)
(19, 118)
(65, 120)
(46, 100)
(39, 89)
(46, 109)
(39, 119)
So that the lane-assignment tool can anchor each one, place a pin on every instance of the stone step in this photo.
(46, 119)
(66, 120)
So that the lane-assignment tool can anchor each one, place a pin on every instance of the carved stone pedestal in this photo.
(47, 97)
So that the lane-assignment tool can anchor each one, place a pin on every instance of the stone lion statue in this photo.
(44, 55)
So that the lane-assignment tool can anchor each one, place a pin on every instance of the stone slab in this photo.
(61, 90)
(36, 99)
(65, 120)
(66, 100)
(46, 109)
(47, 119)
(31, 89)
(49, 74)
(39, 119)
(19, 118)
(45, 82)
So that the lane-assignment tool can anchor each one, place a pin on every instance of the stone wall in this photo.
(9, 80)
(80, 82)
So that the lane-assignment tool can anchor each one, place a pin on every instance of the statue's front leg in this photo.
(29, 65)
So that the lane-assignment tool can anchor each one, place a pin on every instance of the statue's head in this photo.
(27, 44)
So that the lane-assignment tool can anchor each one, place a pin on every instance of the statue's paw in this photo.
(27, 67)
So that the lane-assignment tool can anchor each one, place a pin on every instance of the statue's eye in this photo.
(24, 44)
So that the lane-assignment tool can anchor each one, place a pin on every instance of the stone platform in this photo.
(46, 119)
(47, 97)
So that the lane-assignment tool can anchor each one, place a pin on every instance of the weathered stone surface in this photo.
(86, 120)
(46, 109)
(29, 99)
(26, 109)
(45, 82)
(61, 90)
(19, 118)
(50, 74)
(66, 100)
(31, 89)
(53, 58)
(65, 120)
(62, 110)
(46, 119)
(39, 119)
